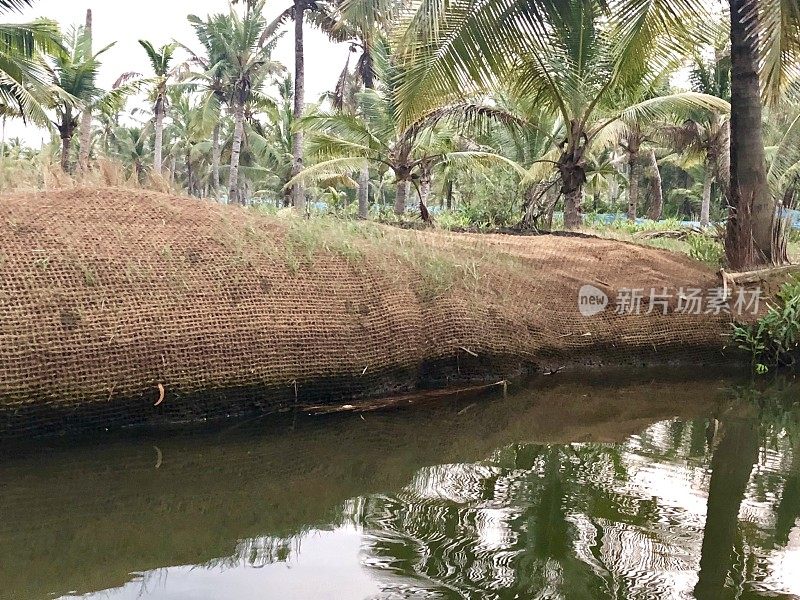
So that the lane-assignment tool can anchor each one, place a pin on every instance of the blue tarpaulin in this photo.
(609, 218)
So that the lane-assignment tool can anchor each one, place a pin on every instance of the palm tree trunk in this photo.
(66, 142)
(401, 197)
(3, 154)
(172, 169)
(633, 186)
(531, 201)
(159, 143)
(85, 139)
(613, 194)
(236, 148)
(189, 172)
(731, 466)
(86, 117)
(65, 148)
(705, 207)
(363, 180)
(572, 202)
(449, 195)
(424, 194)
(657, 195)
(298, 193)
(216, 152)
(748, 240)
(424, 190)
(363, 192)
(572, 171)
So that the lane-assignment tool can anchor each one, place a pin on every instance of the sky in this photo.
(161, 21)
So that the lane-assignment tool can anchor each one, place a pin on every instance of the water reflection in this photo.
(663, 491)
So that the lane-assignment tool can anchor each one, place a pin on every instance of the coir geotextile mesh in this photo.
(122, 307)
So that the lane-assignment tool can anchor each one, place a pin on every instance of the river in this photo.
(648, 486)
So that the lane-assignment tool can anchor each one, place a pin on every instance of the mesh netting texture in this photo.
(111, 300)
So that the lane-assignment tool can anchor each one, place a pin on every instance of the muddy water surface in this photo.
(640, 488)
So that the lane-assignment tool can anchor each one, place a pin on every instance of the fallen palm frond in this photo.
(403, 400)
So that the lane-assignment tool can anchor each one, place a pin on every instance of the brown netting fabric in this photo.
(108, 296)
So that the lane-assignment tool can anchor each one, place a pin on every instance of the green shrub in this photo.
(623, 225)
(705, 249)
(488, 214)
(774, 340)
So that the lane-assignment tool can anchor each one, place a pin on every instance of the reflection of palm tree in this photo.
(788, 510)
(502, 528)
(731, 466)
(783, 425)
(548, 536)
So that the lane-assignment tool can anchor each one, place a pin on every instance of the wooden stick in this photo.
(759, 275)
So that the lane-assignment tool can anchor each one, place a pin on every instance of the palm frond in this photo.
(468, 158)
(785, 156)
(777, 24)
(7, 5)
(681, 106)
(327, 169)
(448, 49)
(467, 118)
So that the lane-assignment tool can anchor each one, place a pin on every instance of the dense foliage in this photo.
(774, 340)
(473, 114)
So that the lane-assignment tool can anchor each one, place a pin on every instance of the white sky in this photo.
(161, 21)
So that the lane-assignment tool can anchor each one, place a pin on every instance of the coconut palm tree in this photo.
(188, 138)
(637, 138)
(298, 10)
(320, 14)
(764, 52)
(209, 80)
(245, 43)
(345, 98)
(130, 146)
(702, 136)
(656, 191)
(342, 143)
(23, 78)
(750, 224)
(449, 45)
(296, 13)
(705, 138)
(527, 146)
(271, 143)
(570, 59)
(74, 84)
(6, 112)
(366, 23)
(86, 118)
(161, 64)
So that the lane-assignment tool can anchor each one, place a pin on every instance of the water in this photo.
(640, 489)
